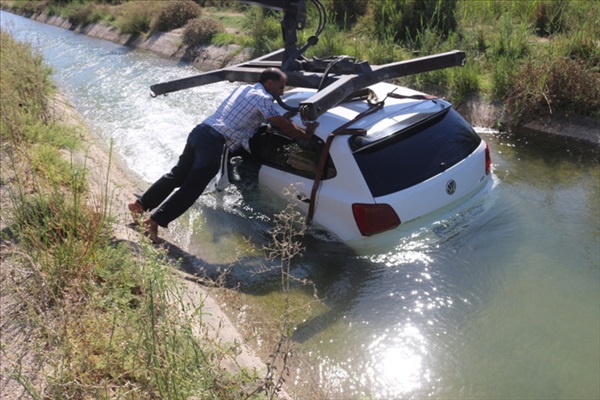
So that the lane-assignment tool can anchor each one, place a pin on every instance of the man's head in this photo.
(273, 81)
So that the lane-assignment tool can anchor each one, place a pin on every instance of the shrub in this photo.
(405, 19)
(175, 14)
(465, 81)
(548, 17)
(503, 73)
(24, 86)
(28, 7)
(580, 46)
(135, 17)
(84, 14)
(562, 86)
(264, 31)
(346, 12)
(200, 31)
(512, 40)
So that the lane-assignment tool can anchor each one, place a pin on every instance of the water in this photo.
(499, 300)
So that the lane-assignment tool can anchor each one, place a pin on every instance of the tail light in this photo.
(488, 160)
(374, 218)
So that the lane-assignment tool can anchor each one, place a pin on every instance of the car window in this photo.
(416, 153)
(296, 156)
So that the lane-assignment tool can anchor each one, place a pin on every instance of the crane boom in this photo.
(335, 78)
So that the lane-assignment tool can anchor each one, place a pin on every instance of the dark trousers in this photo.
(197, 165)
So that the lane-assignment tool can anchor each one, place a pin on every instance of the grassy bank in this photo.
(85, 315)
(539, 58)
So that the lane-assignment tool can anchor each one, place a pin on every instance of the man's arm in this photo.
(291, 129)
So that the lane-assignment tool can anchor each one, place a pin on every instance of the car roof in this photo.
(405, 103)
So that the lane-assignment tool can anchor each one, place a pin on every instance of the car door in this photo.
(289, 164)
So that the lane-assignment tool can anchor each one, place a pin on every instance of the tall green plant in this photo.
(539, 89)
(503, 73)
(135, 17)
(345, 13)
(264, 31)
(285, 245)
(511, 40)
(405, 19)
(24, 85)
(464, 81)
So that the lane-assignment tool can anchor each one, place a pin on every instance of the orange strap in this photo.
(342, 130)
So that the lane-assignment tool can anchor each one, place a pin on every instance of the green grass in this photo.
(232, 19)
(106, 320)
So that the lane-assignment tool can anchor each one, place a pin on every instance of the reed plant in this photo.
(291, 306)
(264, 31)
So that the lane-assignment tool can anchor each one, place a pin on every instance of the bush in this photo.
(264, 31)
(24, 86)
(345, 12)
(581, 46)
(562, 86)
(548, 17)
(503, 75)
(175, 14)
(200, 31)
(135, 17)
(28, 7)
(403, 20)
(465, 81)
(84, 14)
(512, 41)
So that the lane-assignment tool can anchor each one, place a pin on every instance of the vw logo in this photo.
(451, 187)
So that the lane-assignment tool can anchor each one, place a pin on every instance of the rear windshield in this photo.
(413, 154)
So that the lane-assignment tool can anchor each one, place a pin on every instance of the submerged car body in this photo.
(397, 159)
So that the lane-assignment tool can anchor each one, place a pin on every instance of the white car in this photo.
(382, 156)
(409, 156)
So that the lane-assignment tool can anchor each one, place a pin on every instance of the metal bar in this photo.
(454, 58)
(333, 94)
(186, 83)
(308, 80)
(336, 87)
(218, 75)
(329, 97)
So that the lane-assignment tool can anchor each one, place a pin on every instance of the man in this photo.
(232, 125)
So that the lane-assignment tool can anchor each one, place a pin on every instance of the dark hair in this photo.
(271, 74)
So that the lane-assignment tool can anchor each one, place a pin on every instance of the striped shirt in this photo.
(241, 114)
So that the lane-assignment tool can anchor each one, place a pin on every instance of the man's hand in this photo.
(291, 129)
